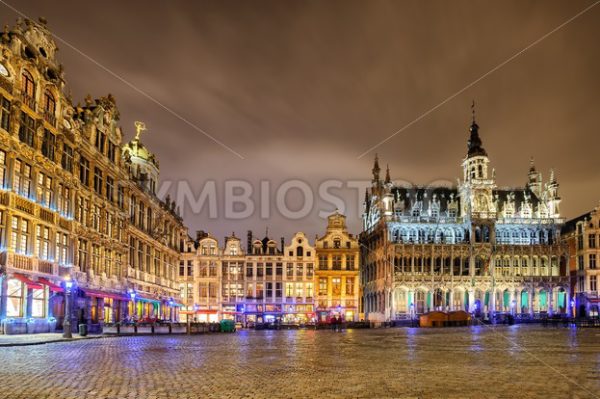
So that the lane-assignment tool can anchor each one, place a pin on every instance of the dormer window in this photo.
(336, 242)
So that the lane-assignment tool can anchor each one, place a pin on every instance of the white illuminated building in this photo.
(474, 246)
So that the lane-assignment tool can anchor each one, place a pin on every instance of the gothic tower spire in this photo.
(474, 145)
(376, 169)
(388, 180)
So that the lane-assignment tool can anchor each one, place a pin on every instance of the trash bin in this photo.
(83, 330)
(227, 326)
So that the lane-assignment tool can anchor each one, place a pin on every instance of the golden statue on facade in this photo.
(139, 128)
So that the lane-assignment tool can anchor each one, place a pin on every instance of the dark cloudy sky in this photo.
(300, 89)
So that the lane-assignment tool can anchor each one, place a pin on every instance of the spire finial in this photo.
(376, 169)
(473, 110)
(387, 174)
(531, 164)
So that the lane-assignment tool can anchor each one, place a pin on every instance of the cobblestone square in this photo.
(478, 362)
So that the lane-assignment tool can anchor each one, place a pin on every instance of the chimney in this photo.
(282, 244)
(249, 243)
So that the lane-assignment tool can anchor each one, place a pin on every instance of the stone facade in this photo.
(337, 283)
(75, 201)
(582, 235)
(473, 246)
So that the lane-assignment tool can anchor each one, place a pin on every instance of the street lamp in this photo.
(131, 292)
(68, 286)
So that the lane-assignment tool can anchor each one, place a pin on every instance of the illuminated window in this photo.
(336, 285)
(349, 286)
(96, 258)
(42, 241)
(62, 246)
(19, 235)
(289, 290)
(309, 290)
(323, 286)
(15, 301)
(38, 303)
(44, 189)
(63, 201)
(22, 178)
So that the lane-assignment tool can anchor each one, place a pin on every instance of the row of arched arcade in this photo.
(405, 301)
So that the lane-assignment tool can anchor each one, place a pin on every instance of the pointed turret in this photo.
(474, 145)
(535, 179)
(387, 175)
(376, 169)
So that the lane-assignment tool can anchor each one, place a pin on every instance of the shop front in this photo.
(28, 305)
(299, 314)
(347, 314)
(96, 307)
(233, 312)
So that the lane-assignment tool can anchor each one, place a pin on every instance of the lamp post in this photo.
(171, 303)
(68, 286)
(133, 309)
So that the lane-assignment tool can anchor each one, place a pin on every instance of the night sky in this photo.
(301, 89)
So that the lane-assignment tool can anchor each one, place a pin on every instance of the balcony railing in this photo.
(31, 264)
(28, 100)
(50, 118)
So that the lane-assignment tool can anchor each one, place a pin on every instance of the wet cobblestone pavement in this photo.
(478, 362)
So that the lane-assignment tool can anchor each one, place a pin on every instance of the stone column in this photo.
(28, 302)
(3, 296)
(451, 306)
(10, 170)
(550, 296)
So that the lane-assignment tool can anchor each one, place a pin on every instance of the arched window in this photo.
(28, 89)
(299, 252)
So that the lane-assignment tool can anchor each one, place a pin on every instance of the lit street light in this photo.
(68, 286)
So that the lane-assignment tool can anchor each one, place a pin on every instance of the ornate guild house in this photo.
(75, 203)
(474, 247)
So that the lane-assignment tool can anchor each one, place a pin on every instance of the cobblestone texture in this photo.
(478, 362)
(36, 339)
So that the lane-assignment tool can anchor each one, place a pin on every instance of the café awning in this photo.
(51, 285)
(34, 285)
(105, 294)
